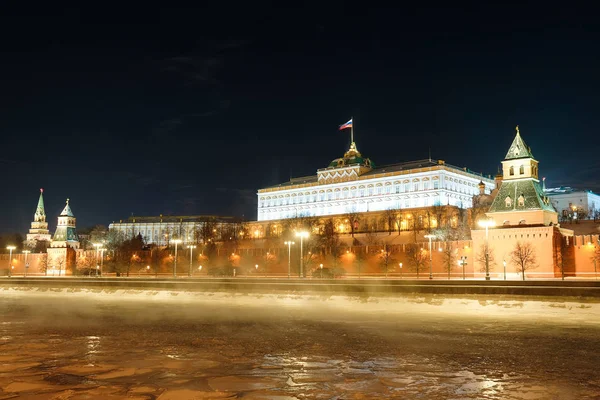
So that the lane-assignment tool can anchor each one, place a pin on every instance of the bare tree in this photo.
(353, 219)
(385, 258)
(398, 222)
(371, 237)
(43, 264)
(330, 242)
(563, 256)
(389, 217)
(85, 264)
(60, 263)
(361, 258)
(523, 257)
(98, 234)
(449, 258)
(438, 211)
(482, 257)
(417, 257)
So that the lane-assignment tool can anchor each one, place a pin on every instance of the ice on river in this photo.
(114, 344)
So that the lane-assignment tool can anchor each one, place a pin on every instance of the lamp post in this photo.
(430, 260)
(199, 268)
(26, 263)
(321, 266)
(176, 241)
(97, 246)
(101, 259)
(256, 266)
(487, 223)
(301, 235)
(191, 247)
(463, 262)
(289, 245)
(10, 249)
(504, 263)
(147, 269)
(400, 265)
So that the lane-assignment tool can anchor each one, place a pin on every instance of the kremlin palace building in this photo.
(354, 184)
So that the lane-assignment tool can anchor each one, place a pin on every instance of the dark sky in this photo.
(190, 111)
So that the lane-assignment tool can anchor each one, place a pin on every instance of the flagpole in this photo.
(352, 131)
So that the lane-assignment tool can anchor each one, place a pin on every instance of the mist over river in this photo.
(150, 344)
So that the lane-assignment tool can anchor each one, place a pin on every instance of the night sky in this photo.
(189, 111)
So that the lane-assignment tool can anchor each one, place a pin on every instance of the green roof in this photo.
(533, 196)
(518, 148)
(66, 212)
(65, 234)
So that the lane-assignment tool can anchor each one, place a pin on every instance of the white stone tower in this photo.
(39, 227)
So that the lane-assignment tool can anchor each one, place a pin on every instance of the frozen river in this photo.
(93, 344)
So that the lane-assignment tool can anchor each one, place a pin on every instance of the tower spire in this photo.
(39, 226)
(40, 212)
(518, 148)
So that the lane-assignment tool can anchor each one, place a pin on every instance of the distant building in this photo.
(352, 183)
(573, 204)
(161, 229)
(39, 227)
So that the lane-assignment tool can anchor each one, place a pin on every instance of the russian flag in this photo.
(346, 125)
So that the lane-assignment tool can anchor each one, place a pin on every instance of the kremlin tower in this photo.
(62, 250)
(66, 233)
(39, 227)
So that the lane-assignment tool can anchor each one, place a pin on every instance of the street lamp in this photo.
(176, 241)
(487, 223)
(321, 266)
(430, 261)
(10, 249)
(97, 246)
(504, 263)
(199, 268)
(289, 245)
(256, 266)
(301, 235)
(101, 259)
(400, 265)
(463, 262)
(191, 247)
(26, 264)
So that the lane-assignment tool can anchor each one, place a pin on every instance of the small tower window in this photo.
(508, 202)
(511, 171)
(521, 201)
(521, 170)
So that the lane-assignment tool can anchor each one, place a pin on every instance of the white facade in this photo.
(564, 199)
(342, 190)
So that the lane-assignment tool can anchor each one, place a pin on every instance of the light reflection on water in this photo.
(290, 355)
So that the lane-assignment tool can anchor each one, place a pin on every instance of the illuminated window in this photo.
(521, 170)
(511, 171)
